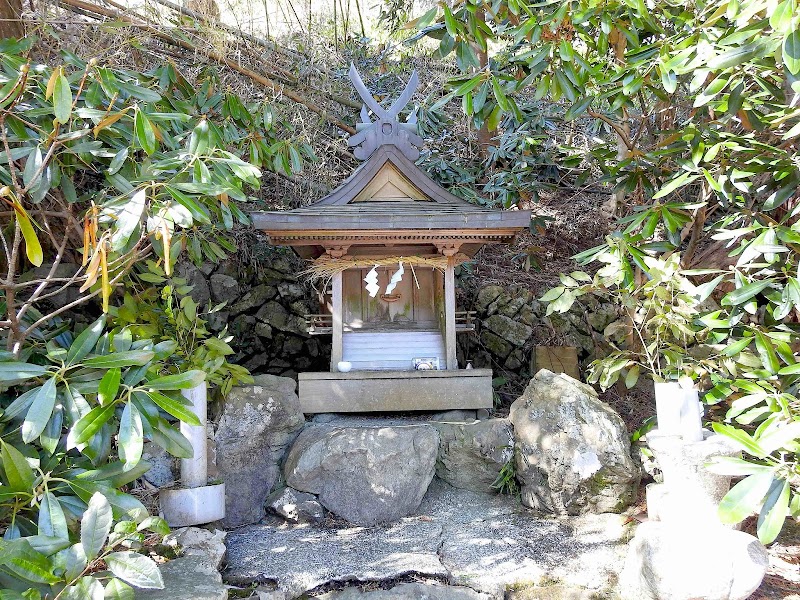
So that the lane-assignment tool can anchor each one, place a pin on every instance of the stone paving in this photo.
(488, 543)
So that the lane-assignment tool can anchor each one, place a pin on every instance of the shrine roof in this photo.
(422, 205)
(389, 197)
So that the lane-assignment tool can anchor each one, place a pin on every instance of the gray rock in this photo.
(472, 454)
(299, 558)
(572, 450)
(256, 297)
(187, 578)
(457, 415)
(165, 470)
(366, 475)
(514, 306)
(257, 425)
(487, 295)
(200, 293)
(495, 344)
(297, 507)
(409, 591)
(194, 541)
(482, 414)
(279, 318)
(669, 562)
(512, 331)
(602, 316)
(291, 291)
(224, 288)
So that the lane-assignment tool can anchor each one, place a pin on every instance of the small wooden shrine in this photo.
(388, 240)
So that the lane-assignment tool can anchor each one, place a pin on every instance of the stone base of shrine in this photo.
(390, 391)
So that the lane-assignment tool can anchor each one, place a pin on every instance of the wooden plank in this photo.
(396, 392)
(315, 375)
(450, 313)
(337, 308)
(558, 359)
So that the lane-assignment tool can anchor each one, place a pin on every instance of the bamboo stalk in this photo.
(216, 56)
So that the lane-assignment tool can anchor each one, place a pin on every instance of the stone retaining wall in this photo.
(267, 299)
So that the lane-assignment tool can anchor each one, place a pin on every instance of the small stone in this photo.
(513, 307)
(515, 360)
(263, 330)
(200, 293)
(224, 288)
(164, 470)
(291, 291)
(482, 414)
(471, 455)
(256, 297)
(297, 507)
(572, 450)
(486, 296)
(512, 331)
(194, 541)
(495, 344)
(187, 578)
(366, 475)
(602, 316)
(457, 415)
(671, 562)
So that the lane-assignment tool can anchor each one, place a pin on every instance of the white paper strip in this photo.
(397, 277)
(372, 282)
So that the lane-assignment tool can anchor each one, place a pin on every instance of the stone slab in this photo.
(300, 558)
(388, 391)
(188, 578)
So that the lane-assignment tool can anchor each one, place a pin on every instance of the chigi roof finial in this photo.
(387, 129)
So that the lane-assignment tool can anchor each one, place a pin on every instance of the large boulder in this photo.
(471, 455)
(257, 425)
(409, 591)
(666, 562)
(366, 475)
(572, 450)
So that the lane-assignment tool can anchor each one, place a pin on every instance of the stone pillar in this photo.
(194, 471)
(337, 309)
(450, 313)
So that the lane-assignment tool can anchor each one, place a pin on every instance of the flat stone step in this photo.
(485, 542)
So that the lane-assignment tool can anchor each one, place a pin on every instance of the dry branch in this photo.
(216, 56)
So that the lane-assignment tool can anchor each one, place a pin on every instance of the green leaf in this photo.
(145, 133)
(135, 569)
(109, 386)
(47, 545)
(744, 293)
(131, 440)
(776, 438)
(18, 557)
(767, 353)
(84, 343)
(674, 184)
(120, 359)
(90, 424)
(40, 411)
(791, 52)
(96, 525)
(773, 513)
(740, 437)
(744, 498)
(175, 408)
(18, 472)
(86, 588)
(19, 371)
(118, 590)
(33, 248)
(62, 99)
(179, 381)
(52, 521)
(735, 467)
(172, 440)
(128, 219)
(578, 108)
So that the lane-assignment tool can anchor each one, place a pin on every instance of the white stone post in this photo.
(194, 471)
(196, 502)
